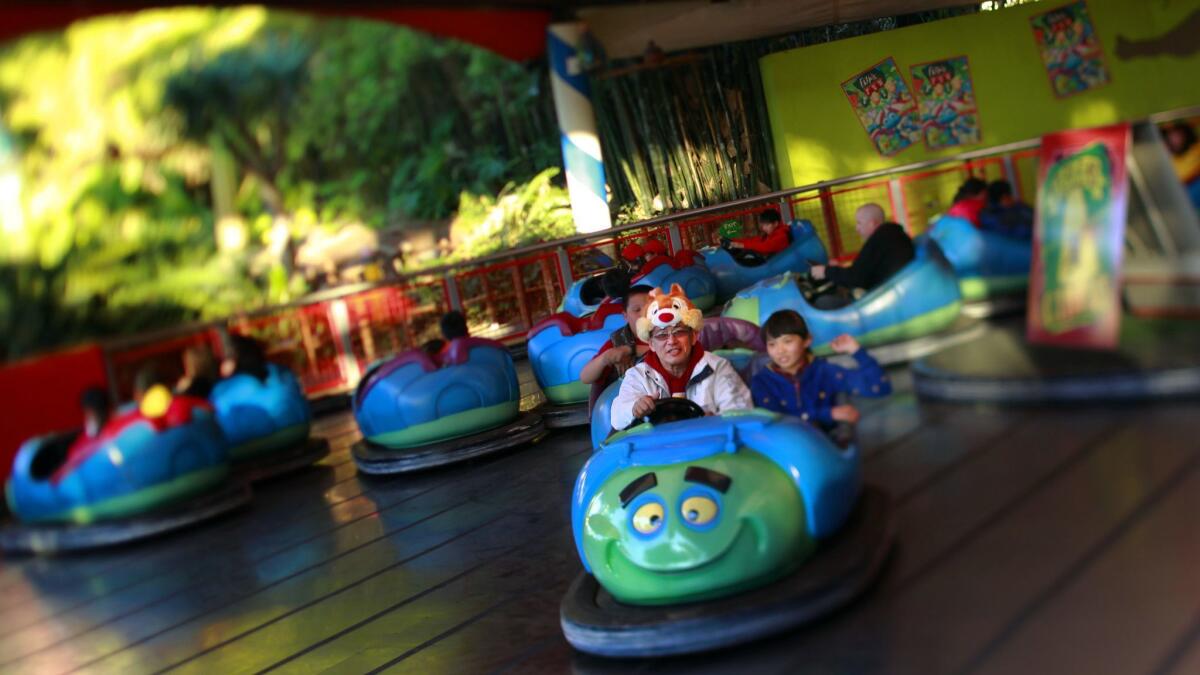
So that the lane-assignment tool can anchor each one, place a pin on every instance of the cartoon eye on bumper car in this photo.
(559, 347)
(418, 411)
(992, 269)
(703, 533)
(266, 422)
(913, 313)
(151, 470)
(735, 273)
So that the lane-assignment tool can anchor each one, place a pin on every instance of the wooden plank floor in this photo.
(1030, 540)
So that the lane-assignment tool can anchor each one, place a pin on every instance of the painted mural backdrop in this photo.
(1074, 289)
(1070, 50)
(946, 100)
(885, 107)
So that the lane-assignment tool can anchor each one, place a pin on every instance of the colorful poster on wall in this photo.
(1079, 235)
(885, 107)
(946, 100)
(1070, 50)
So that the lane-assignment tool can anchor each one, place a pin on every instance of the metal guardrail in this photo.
(331, 337)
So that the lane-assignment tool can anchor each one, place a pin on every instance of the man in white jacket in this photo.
(677, 365)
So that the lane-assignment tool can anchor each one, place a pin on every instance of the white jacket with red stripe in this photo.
(714, 385)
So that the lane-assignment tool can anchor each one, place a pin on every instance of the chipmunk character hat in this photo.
(668, 309)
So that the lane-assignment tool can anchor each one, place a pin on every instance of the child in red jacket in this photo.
(774, 237)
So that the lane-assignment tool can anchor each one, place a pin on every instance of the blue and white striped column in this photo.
(577, 125)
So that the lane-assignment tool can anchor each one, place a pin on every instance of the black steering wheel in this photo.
(810, 288)
(670, 410)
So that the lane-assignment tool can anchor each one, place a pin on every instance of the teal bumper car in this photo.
(558, 348)
(697, 534)
(688, 270)
(419, 411)
(151, 470)
(735, 271)
(991, 267)
(267, 423)
(919, 302)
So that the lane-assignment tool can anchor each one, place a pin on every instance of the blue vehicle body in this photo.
(697, 282)
(261, 416)
(130, 469)
(732, 277)
(827, 478)
(695, 279)
(561, 345)
(921, 298)
(411, 400)
(987, 263)
(574, 302)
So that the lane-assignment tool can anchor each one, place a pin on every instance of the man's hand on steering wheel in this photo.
(643, 406)
(817, 272)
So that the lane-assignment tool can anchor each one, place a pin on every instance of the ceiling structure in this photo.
(516, 28)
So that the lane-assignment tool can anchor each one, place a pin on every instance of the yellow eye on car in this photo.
(648, 518)
(698, 510)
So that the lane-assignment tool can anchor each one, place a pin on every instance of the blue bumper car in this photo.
(148, 471)
(419, 410)
(697, 533)
(921, 300)
(988, 264)
(266, 422)
(735, 273)
(685, 269)
(558, 348)
(584, 296)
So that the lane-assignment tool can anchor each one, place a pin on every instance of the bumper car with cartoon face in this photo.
(735, 271)
(418, 410)
(990, 266)
(697, 534)
(156, 468)
(558, 348)
(912, 314)
(266, 422)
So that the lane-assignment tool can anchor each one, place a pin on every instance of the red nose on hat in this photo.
(666, 317)
(655, 247)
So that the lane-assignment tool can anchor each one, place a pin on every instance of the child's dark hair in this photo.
(146, 377)
(96, 399)
(248, 357)
(453, 325)
(770, 215)
(997, 190)
(784, 322)
(615, 282)
(970, 188)
(634, 290)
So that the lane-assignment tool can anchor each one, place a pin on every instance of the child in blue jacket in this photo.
(797, 383)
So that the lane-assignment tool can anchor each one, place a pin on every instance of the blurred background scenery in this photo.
(172, 165)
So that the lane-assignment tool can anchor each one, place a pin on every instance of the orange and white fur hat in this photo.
(668, 309)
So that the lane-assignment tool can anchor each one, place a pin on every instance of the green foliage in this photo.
(520, 215)
(115, 121)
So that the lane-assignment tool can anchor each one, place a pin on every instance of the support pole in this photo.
(577, 125)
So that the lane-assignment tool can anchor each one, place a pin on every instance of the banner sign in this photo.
(1079, 235)
(1070, 50)
(947, 103)
(885, 107)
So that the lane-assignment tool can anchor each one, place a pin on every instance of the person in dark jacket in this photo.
(1004, 214)
(886, 249)
(797, 383)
